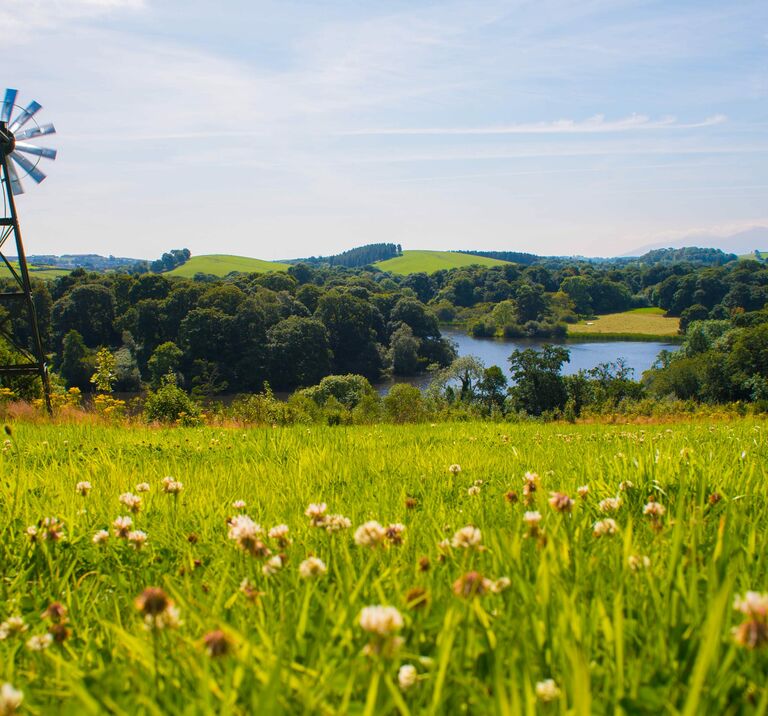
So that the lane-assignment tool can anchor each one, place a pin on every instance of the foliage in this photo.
(105, 374)
(538, 386)
(170, 404)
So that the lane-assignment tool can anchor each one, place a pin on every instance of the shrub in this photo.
(170, 404)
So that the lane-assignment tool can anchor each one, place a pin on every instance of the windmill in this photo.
(19, 159)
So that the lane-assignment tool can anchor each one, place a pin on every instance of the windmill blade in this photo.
(28, 167)
(37, 151)
(8, 102)
(26, 114)
(36, 132)
(16, 187)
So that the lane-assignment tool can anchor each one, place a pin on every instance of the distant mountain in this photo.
(743, 242)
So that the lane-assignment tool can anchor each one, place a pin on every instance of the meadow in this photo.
(452, 568)
(639, 324)
(223, 264)
(431, 261)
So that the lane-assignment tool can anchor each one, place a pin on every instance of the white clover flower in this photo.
(279, 532)
(500, 585)
(583, 491)
(395, 532)
(312, 567)
(239, 504)
(137, 538)
(31, 533)
(547, 690)
(122, 526)
(83, 487)
(468, 537)
(10, 699)
(444, 546)
(12, 626)
(407, 676)
(638, 561)
(100, 537)
(272, 566)
(170, 618)
(131, 501)
(560, 502)
(605, 527)
(532, 518)
(610, 504)
(172, 486)
(39, 642)
(336, 523)
(654, 509)
(474, 490)
(143, 487)
(380, 620)
(454, 469)
(316, 513)
(370, 534)
(752, 604)
(626, 485)
(243, 526)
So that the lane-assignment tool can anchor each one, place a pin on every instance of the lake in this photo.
(639, 355)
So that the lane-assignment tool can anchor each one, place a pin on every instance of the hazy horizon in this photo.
(289, 129)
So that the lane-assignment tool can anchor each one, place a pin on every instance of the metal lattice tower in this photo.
(17, 303)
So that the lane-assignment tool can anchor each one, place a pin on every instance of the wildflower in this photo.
(280, 533)
(547, 690)
(131, 501)
(714, 498)
(610, 504)
(605, 527)
(467, 538)
(239, 504)
(626, 485)
(39, 642)
(454, 469)
(272, 566)
(246, 533)
(471, 584)
(10, 699)
(394, 533)
(380, 620)
(444, 546)
(370, 534)
(12, 626)
(59, 632)
(638, 561)
(51, 529)
(316, 513)
(217, 643)
(560, 502)
(532, 519)
(171, 486)
(143, 487)
(752, 633)
(530, 486)
(474, 490)
(31, 533)
(500, 585)
(122, 526)
(250, 592)
(336, 523)
(100, 537)
(583, 491)
(424, 564)
(312, 567)
(407, 676)
(55, 612)
(511, 497)
(411, 503)
(137, 539)
(159, 612)
(654, 509)
(83, 487)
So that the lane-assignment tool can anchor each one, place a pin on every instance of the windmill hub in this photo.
(7, 140)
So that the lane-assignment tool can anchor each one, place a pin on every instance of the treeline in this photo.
(357, 257)
(167, 262)
(513, 256)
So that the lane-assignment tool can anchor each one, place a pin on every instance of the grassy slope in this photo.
(640, 322)
(431, 261)
(575, 610)
(222, 264)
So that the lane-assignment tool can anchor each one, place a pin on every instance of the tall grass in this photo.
(613, 638)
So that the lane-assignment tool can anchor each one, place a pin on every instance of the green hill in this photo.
(222, 264)
(431, 261)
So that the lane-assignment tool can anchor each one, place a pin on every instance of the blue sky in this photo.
(283, 129)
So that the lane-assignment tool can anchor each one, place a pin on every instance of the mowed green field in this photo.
(640, 321)
(222, 264)
(491, 590)
(431, 261)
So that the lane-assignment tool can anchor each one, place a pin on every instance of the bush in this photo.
(170, 404)
(348, 390)
(404, 404)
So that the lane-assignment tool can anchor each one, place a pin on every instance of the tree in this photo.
(88, 309)
(298, 351)
(492, 387)
(404, 404)
(165, 360)
(77, 364)
(539, 387)
(105, 374)
(530, 302)
(578, 290)
(404, 351)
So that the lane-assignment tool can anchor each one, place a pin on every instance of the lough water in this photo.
(639, 355)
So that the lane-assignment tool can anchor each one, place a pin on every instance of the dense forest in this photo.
(292, 329)
(357, 257)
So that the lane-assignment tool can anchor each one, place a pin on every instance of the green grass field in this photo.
(222, 264)
(431, 261)
(649, 322)
(636, 621)
(42, 272)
